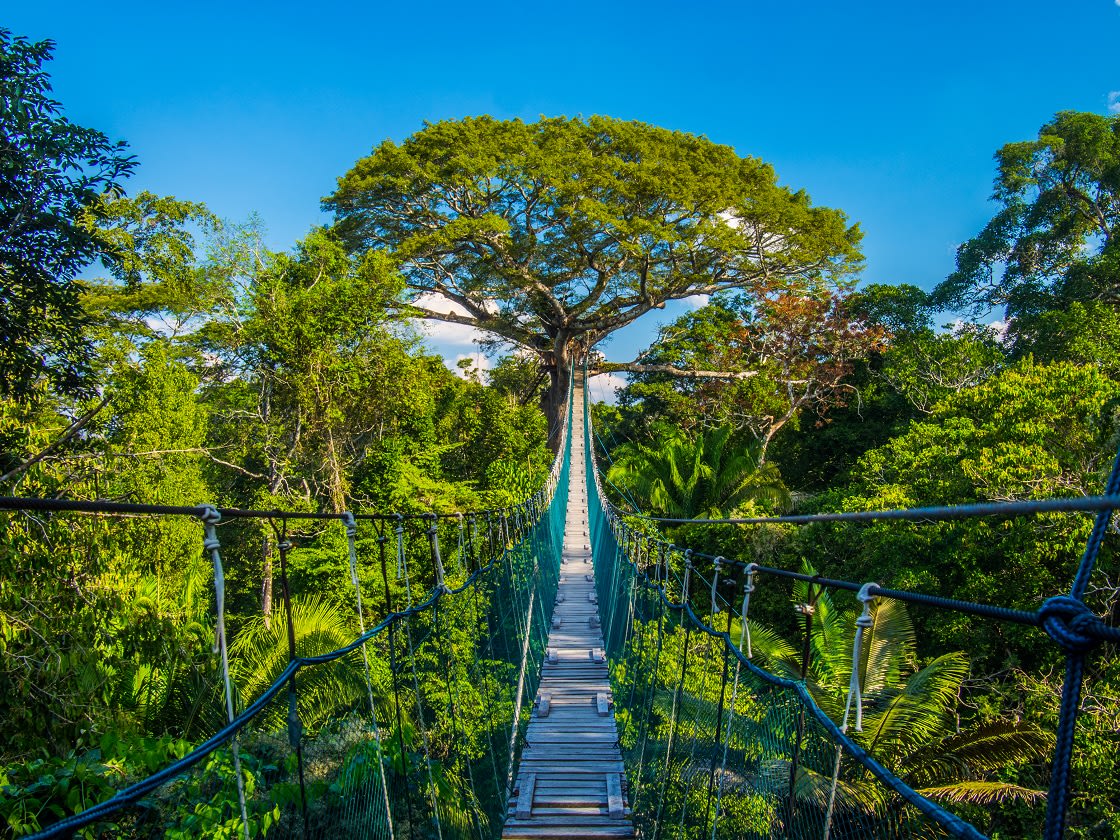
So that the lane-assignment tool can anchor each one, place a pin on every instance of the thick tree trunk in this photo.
(564, 358)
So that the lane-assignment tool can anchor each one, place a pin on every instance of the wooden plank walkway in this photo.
(571, 781)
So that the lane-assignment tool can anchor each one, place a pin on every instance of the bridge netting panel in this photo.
(714, 746)
(435, 697)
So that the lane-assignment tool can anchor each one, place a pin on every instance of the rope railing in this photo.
(765, 759)
(404, 731)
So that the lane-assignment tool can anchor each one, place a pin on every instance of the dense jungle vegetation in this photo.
(154, 353)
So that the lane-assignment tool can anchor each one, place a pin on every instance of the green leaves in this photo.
(1060, 197)
(554, 234)
(689, 478)
(52, 172)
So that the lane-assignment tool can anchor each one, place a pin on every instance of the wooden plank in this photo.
(602, 704)
(544, 701)
(614, 797)
(525, 796)
(568, 831)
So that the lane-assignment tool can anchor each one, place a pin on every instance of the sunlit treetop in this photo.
(551, 235)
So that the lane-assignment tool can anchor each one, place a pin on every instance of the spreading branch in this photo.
(637, 367)
(71, 430)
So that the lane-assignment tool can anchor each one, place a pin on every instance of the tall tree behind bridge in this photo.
(52, 173)
(552, 235)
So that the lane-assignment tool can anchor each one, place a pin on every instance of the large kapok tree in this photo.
(552, 235)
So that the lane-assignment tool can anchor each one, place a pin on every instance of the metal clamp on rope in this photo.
(716, 562)
(433, 537)
(807, 608)
(866, 595)
(745, 626)
(351, 533)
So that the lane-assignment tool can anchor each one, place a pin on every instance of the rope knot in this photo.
(752, 569)
(1070, 623)
(716, 563)
(866, 595)
(349, 523)
(210, 515)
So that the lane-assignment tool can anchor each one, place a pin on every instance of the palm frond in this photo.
(992, 746)
(888, 646)
(919, 711)
(982, 793)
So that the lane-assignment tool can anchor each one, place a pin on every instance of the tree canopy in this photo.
(1055, 235)
(551, 235)
(52, 173)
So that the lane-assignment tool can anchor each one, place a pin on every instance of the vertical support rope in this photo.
(745, 629)
(744, 636)
(864, 622)
(716, 730)
(516, 728)
(210, 519)
(382, 540)
(402, 562)
(351, 536)
(295, 725)
(1057, 800)
(806, 609)
(462, 544)
(437, 563)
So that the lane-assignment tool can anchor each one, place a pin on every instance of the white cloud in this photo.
(444, 334)
(604, 387)
(440, 304)
(452, 341)
(1000, 328)
(696, 301)
(1114, 95)
(479, 362)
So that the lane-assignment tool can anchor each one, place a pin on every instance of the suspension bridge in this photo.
(550, 670)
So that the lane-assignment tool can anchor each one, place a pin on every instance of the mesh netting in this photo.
(713, 745)
(411, 731)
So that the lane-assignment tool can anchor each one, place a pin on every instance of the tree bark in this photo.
(682, 373)
(565, 356)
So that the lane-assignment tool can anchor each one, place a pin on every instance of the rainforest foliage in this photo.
(192, 364)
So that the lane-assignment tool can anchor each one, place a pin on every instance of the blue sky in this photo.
(888, 111)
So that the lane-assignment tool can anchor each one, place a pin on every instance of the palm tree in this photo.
(909, 713)
(691, 478)
(259, 655)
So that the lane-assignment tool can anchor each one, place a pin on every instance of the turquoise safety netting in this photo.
(413, 730)
(713, 745)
